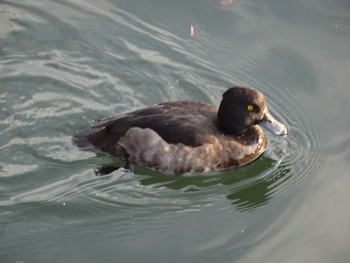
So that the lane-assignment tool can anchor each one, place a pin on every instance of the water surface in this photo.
(64, 64)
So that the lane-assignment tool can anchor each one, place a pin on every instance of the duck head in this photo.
(242, 108)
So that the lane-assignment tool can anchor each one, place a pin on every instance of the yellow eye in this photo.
(250, 107)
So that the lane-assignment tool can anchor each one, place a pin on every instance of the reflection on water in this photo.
(260, 192)
(250, 186)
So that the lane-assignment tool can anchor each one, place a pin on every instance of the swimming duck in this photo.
(187, 136)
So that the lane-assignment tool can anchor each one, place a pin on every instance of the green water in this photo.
(64, 64)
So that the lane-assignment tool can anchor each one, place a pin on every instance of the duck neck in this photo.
(228, 124)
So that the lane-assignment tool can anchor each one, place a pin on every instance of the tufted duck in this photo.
(187, 136)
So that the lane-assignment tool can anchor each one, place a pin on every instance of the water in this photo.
(64, 64)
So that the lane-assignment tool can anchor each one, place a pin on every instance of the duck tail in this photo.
(81, 140)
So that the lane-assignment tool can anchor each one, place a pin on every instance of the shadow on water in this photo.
(249, 187)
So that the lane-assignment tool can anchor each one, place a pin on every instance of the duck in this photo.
(187, 136)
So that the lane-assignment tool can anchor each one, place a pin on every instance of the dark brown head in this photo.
(243, 107)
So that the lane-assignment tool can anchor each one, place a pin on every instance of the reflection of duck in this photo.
(247, 188)
(259, 191)
(187, 136)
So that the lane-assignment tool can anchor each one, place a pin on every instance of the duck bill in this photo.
(273, 126)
